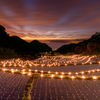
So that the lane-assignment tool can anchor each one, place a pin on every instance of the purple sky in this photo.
(51, 20)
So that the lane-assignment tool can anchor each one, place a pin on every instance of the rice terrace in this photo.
(49, 49)
(51, 78)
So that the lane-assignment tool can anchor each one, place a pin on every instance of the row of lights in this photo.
(73, 60)
(70, 73)
(16, 70)
(82, 72)
(52, 75)
(42, 65)
(72, 77)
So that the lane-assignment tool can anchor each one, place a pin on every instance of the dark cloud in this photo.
(62, 20)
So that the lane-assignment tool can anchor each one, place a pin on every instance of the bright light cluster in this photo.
(49, 61)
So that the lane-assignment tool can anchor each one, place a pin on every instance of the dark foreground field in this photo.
(65, 89)
(12, 86)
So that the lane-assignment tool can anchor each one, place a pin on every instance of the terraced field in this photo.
(71, 68)
(51, 78)
(65, 89)
(12, 86)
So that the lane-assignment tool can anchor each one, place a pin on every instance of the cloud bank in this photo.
(52, 20)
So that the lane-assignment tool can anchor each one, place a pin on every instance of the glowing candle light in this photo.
(15, 65)
(82, 63)
(23, 66)
(83, 77)
(35, 70)
(62, 73)
(49, 72)
(4, 69)
(89, 71)
(23, 72)
(61, 76)
(29, 74)
(29, 70)
(76, 73)
(73, 77)
(82, 72)
(42, 65)
(75, 64)
(3, 65)
(56, 72)
(98, 70)
(93, 70)
(30, 65)
(16, 70)
(41, 71)
(69, 73)
(41, 75)
(19, 64)
(90, 63)
(12, 71)
(94, 77)
(52, 75)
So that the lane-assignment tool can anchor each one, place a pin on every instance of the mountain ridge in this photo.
(21, 46)
(89, 46)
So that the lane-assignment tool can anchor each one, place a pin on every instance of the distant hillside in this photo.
(90, 46)
(38, 46)
(20, 46)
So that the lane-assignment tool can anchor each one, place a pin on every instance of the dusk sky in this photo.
(63, 21)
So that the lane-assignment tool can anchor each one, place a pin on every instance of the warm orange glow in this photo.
(73, 77)
(62, 73)
(23, 66)
(61, 76)
(12, 71)
(82, 72)
(56, 72)
(69, 73)
(52, 75)
(4, 69)
(93, 70)
(4, 65)
(82, 63)
(41, 71)
(94, 77)
(98, 70)
(16, 70)
(29, 74)
(41, 75)
(49, 72)
(83, 77)
(23, 72)
(27, 38)
(29, 70)
(35, 70)
(65, 64)
(90, 63)
(75, 64)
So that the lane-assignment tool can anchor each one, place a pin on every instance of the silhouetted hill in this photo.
(90, 46)
(66, 48)
(39, 47)
(20, 46)
(3, 34)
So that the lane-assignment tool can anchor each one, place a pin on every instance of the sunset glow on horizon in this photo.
(61, 21)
